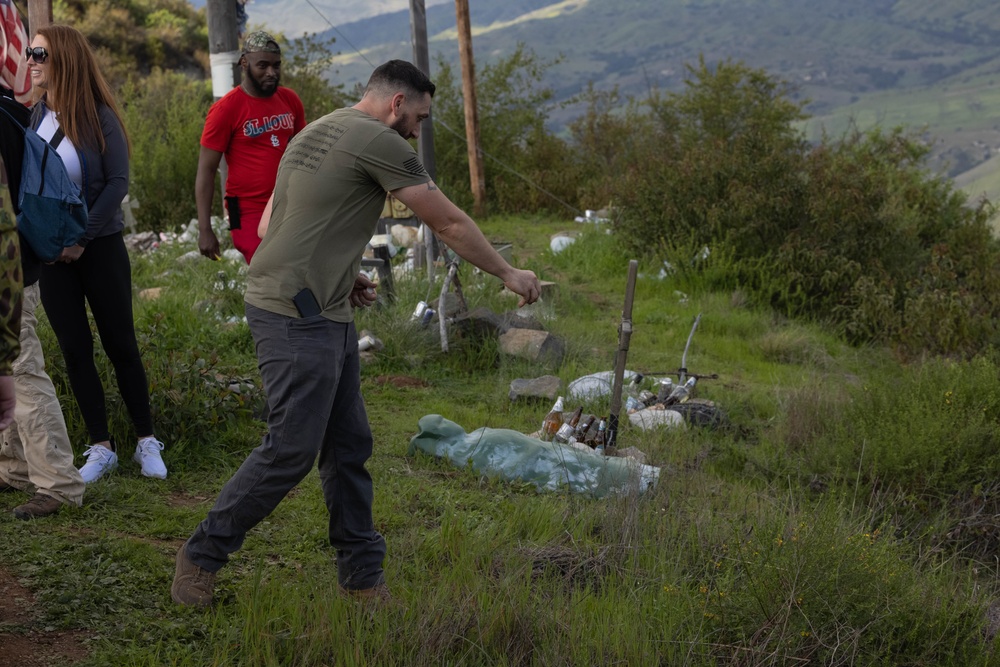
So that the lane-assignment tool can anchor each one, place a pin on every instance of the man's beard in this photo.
(258, 88)
(402, 125)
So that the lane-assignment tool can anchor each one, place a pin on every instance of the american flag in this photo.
(13, 39)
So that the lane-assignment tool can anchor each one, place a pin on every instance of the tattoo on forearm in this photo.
(430, 186)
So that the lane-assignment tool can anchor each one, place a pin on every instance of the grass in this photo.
(838, 519)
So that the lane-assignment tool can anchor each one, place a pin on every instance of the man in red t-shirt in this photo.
(251, 125)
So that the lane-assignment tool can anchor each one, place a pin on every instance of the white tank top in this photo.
(46, 130)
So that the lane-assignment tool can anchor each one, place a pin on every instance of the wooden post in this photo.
(476, 175)
(39, 15)
(624, 336)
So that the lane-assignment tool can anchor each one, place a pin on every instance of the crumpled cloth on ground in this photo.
(517, 457)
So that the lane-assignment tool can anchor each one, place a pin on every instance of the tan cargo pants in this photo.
(35, 450)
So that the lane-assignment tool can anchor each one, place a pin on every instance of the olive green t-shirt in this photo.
(330, 190)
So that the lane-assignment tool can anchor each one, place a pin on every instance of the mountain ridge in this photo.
(920, 63)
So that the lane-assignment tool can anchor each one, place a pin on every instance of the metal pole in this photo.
(476, 174)
(624, 335)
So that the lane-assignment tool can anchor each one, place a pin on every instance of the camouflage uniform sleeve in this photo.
(10, 280)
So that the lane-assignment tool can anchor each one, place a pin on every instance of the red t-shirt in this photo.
(253, 132)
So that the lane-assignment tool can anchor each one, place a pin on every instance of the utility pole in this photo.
(39, 15)
(425, 142)
(223, 46)
(476, 176)
(421, 58)
(224, 57)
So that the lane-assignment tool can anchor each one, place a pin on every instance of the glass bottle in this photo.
(566, 430)
(666, 386)
(581, 431)
(681, 392)
(553, 420)
(602, 429)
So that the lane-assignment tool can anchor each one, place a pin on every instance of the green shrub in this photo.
(610, 140)
(853, 232)
(305, 61)
(530, 170)
(164, 114)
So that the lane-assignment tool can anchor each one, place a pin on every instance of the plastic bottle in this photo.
(681, 392)
(566, 430)
(553, 420)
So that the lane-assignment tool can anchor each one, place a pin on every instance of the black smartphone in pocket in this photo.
(233, 208)
(306, 303)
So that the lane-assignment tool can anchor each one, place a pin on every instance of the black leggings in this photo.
(103, 277)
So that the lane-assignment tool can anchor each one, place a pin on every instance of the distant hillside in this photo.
(920, 63)
(294, 17)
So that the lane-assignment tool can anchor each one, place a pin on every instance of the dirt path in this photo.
(24, 642)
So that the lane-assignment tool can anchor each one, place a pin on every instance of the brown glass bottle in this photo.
(581, 431)
(567, 429)
(602, 428)
(553, 420)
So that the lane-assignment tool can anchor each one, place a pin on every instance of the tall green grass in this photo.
(813, 529)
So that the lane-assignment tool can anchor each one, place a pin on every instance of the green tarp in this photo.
(511, 455)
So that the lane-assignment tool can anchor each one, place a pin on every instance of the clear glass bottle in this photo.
(681, 392)
(666, 386)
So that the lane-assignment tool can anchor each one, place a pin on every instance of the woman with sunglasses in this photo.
(78, 114)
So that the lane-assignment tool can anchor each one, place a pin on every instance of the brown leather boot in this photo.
(39, 506)
(378, 594)
(193, 586)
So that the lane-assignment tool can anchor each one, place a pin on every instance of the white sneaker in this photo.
(100, 460)
(147, 455)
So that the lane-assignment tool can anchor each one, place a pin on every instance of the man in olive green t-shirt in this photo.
(302, 285)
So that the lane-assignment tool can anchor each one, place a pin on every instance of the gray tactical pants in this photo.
(312, 375)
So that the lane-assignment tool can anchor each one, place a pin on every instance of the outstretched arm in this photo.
(463, 236)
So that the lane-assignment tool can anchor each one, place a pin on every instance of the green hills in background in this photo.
(929, 65)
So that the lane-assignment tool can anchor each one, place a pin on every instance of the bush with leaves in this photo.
(138, 36)
(305, 61)
(526, 168)
(164, 114)
(854, 231)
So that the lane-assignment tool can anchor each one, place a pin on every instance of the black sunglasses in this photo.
(38, 54)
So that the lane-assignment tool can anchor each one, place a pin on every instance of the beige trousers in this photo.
(35, 450)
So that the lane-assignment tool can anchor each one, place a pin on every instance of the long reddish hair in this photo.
(77, 87)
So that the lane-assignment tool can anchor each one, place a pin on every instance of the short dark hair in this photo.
(394, 75)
